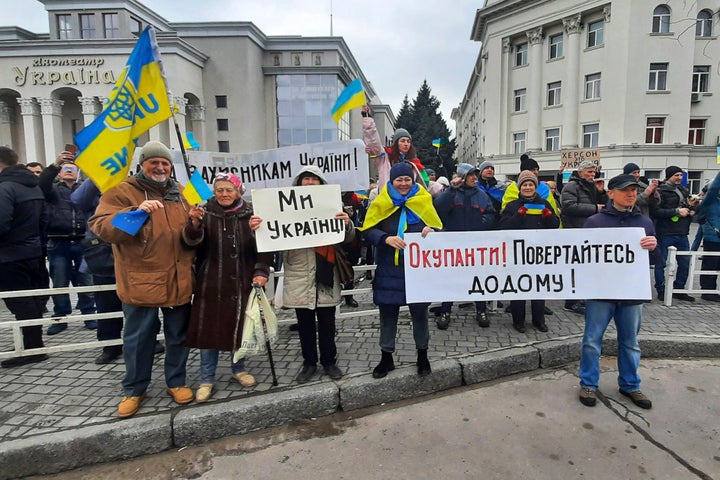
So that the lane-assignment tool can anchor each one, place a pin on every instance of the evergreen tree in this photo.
(425, 123)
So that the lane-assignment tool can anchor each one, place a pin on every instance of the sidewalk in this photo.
(69, 400)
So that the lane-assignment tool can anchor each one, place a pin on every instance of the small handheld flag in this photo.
(439, 142)
(196, 191)
(190, 142)
(352, 97)
(130, 222)
(534, 208)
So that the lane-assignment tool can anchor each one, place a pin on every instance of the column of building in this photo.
(5, 125)
(506, 143)
(33, 129)
(180, 110)
(51, 110)
(572, 82)
(197, 121)
(90, 109)
(535, 92)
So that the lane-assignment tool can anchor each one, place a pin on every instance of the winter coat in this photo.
(644, 201)
(611, 217)
(65, 221)
(493, 189)
(709, 212)
(227, 260)
(300, 287)
(22, 215)
(154, 267)
(465, 209)
(512, 192)
(512, 218)
(667, 221)
(578, 201)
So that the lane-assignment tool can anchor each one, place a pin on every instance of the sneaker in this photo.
(587, 397)
(108, 356)
(575, 308)
(56, 328)
(306, 373)
(683, 296)
(204, 392)
(710, 297)
(548, 311)
(129, 406)
(443, 321)
(181, 395)
(638, 398)
(91, 324)
(482, 319)
(333, 371)
(245, 379)
(20, 361)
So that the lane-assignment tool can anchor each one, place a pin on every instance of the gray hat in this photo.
(486, 164)
(155, 149)
(400, 133)
(463, 169)
(586, 165)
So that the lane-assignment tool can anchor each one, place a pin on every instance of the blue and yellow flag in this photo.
(439, 142)
(138, 101)
(352, 97)
(189, 141)
(196, 191)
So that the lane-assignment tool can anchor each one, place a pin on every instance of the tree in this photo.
(425, 123)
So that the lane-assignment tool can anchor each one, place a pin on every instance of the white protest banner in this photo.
(344, 163)
(577, 263)
(298, 217)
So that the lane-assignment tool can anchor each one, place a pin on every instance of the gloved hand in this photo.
(522, 210)
(546, 213)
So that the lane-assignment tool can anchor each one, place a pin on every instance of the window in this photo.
(221, 101)
(552, 139)
(553, 94)
(64, 27)
(555, 46)
(703, 27)
(521, 54)
(87, 25)
(658, 77)
(111, 24)
(592, 86)
(695, 182)
(661, 19)
(595, 34)
(303, 101)
(224, 146)
(222, 124)
(519, 142)
(591, 135)
(654, 130)
(520, 100)
(135, 26)
(696, 135)
(701, 78)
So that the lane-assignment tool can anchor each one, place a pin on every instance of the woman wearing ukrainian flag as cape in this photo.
(401, 207)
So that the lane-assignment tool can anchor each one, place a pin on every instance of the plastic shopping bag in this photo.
(254, 341)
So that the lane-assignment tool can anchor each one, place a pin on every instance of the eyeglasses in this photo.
(69, 168)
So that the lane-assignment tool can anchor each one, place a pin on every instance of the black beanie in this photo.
(631, 167)
(672, 170)
(527, 163)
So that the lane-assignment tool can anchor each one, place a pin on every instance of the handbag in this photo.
(98, 256)
(345, 268)
(253, 341)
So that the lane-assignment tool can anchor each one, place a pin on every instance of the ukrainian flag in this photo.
(196, 191)
(352, 97)
(189, 141)
(534, 208)
(138, 101)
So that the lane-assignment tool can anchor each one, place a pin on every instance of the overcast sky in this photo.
(397, 43)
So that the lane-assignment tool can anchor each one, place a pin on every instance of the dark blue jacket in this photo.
(667, 221)
(709, 212)
(512, 219)
(65, 220)
(389, 279)
(22, 215)
(86, 198)
(465, 209)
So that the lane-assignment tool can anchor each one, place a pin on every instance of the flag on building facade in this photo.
(137, 102)
(352, 97)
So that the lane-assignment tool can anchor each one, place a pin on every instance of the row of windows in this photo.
(595, 38)
(86, 21)
(661, 21)
(654, 134)
(657, 79)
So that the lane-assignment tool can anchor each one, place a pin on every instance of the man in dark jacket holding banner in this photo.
(620, 211)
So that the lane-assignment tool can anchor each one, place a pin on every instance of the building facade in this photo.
(636, 80)
(235, 88)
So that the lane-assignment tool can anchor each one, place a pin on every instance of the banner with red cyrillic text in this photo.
(578, 263)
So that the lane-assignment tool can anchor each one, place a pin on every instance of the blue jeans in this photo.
(65, 257)
(627, 322)
(208, 365)
(142, 324)
(682, 244)
(388, 325)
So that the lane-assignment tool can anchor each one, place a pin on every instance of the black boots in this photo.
(423, 365)
(386, 365)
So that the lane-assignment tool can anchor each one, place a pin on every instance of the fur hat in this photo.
(672, 170)
(486, 164)
(631, 167)
(463, 169)
(526, 175)
(527, 163)
(153, 149)
(586, 165)
(400, 133)
(401, 169)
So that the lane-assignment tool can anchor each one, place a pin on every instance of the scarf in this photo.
(325, 265)
(168, 190)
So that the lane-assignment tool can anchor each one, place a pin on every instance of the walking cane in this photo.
(265, 332)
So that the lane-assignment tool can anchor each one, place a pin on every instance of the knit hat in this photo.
(672, 170)
(443, 181)
(232, 178)
(429, 171)
(401, 169)
(526, 175)
(631, 167)
(586, 165)
(400, 133)
(154, 149)
(486, 164)
(463, 169)
(527, 163)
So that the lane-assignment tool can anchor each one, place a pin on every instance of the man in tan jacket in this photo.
(153, 271)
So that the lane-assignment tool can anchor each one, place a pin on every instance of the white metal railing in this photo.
(671, 267)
